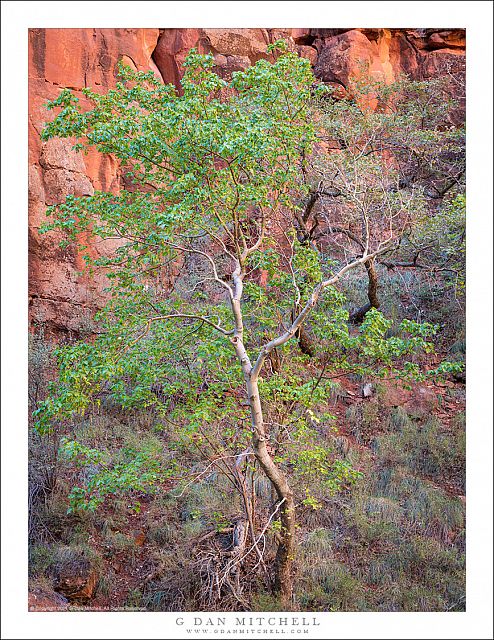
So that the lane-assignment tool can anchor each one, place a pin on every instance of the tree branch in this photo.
(310, 304)
(181, 315)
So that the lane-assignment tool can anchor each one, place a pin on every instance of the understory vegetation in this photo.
(395, 542)
(268, 413)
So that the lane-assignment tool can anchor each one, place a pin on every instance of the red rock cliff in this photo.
(63, 300)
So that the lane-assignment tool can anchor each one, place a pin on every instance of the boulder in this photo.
(367, 390)
(60, 154)
(249, 43)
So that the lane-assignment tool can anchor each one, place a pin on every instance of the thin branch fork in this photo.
(336, 229)
(208, 258)
(265, 528)
(211, 464)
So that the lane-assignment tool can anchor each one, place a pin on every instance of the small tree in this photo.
(190, 325)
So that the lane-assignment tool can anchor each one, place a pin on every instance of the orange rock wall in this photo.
(62, 299)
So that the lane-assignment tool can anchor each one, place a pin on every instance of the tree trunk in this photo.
(357, 316)
(283, 581)
(373, 283)
(305, 342)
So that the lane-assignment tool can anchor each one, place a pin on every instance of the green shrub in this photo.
(375, 518)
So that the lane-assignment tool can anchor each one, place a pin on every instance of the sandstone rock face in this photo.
(61, 299)
(421, 54)
(77, 588)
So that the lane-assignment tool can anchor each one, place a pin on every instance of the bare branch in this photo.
(181, 315)
(208, 258)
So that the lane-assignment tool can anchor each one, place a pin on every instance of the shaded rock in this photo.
(36, 193)
(431, 39)
(302, 36)
(60, 298)
(308, 52)
(75, 576)
(226, 65)
(250, 43)
(341, 56)
(386, 53)
(59, 183)
(171, 50)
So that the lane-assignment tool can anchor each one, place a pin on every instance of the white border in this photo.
(17, 17)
